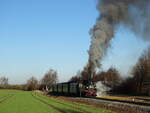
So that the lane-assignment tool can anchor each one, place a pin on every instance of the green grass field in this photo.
(12, 101)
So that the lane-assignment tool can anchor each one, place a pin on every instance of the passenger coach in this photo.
(67, 88)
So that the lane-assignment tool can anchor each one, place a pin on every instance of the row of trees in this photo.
(139, 82)
(141, 71)
(49, 78)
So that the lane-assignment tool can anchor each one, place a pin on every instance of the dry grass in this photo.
(127, 98)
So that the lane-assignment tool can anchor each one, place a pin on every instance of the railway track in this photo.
(119, 101)
(131, 107)
(123, 101)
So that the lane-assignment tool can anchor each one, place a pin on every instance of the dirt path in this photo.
(54, 107)
(6, 98)
(72, 106)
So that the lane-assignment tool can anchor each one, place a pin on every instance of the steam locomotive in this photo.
(73, 89)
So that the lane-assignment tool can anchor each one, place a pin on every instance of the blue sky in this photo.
(36, 35)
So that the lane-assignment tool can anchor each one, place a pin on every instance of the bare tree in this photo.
(32, 84)
(49, 78)
(4, 81)
(141, 71)
(113, 77)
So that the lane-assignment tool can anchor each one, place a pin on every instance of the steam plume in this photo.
(132, 13)
(102, 89)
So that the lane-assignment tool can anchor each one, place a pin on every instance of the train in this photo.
(73, 89)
